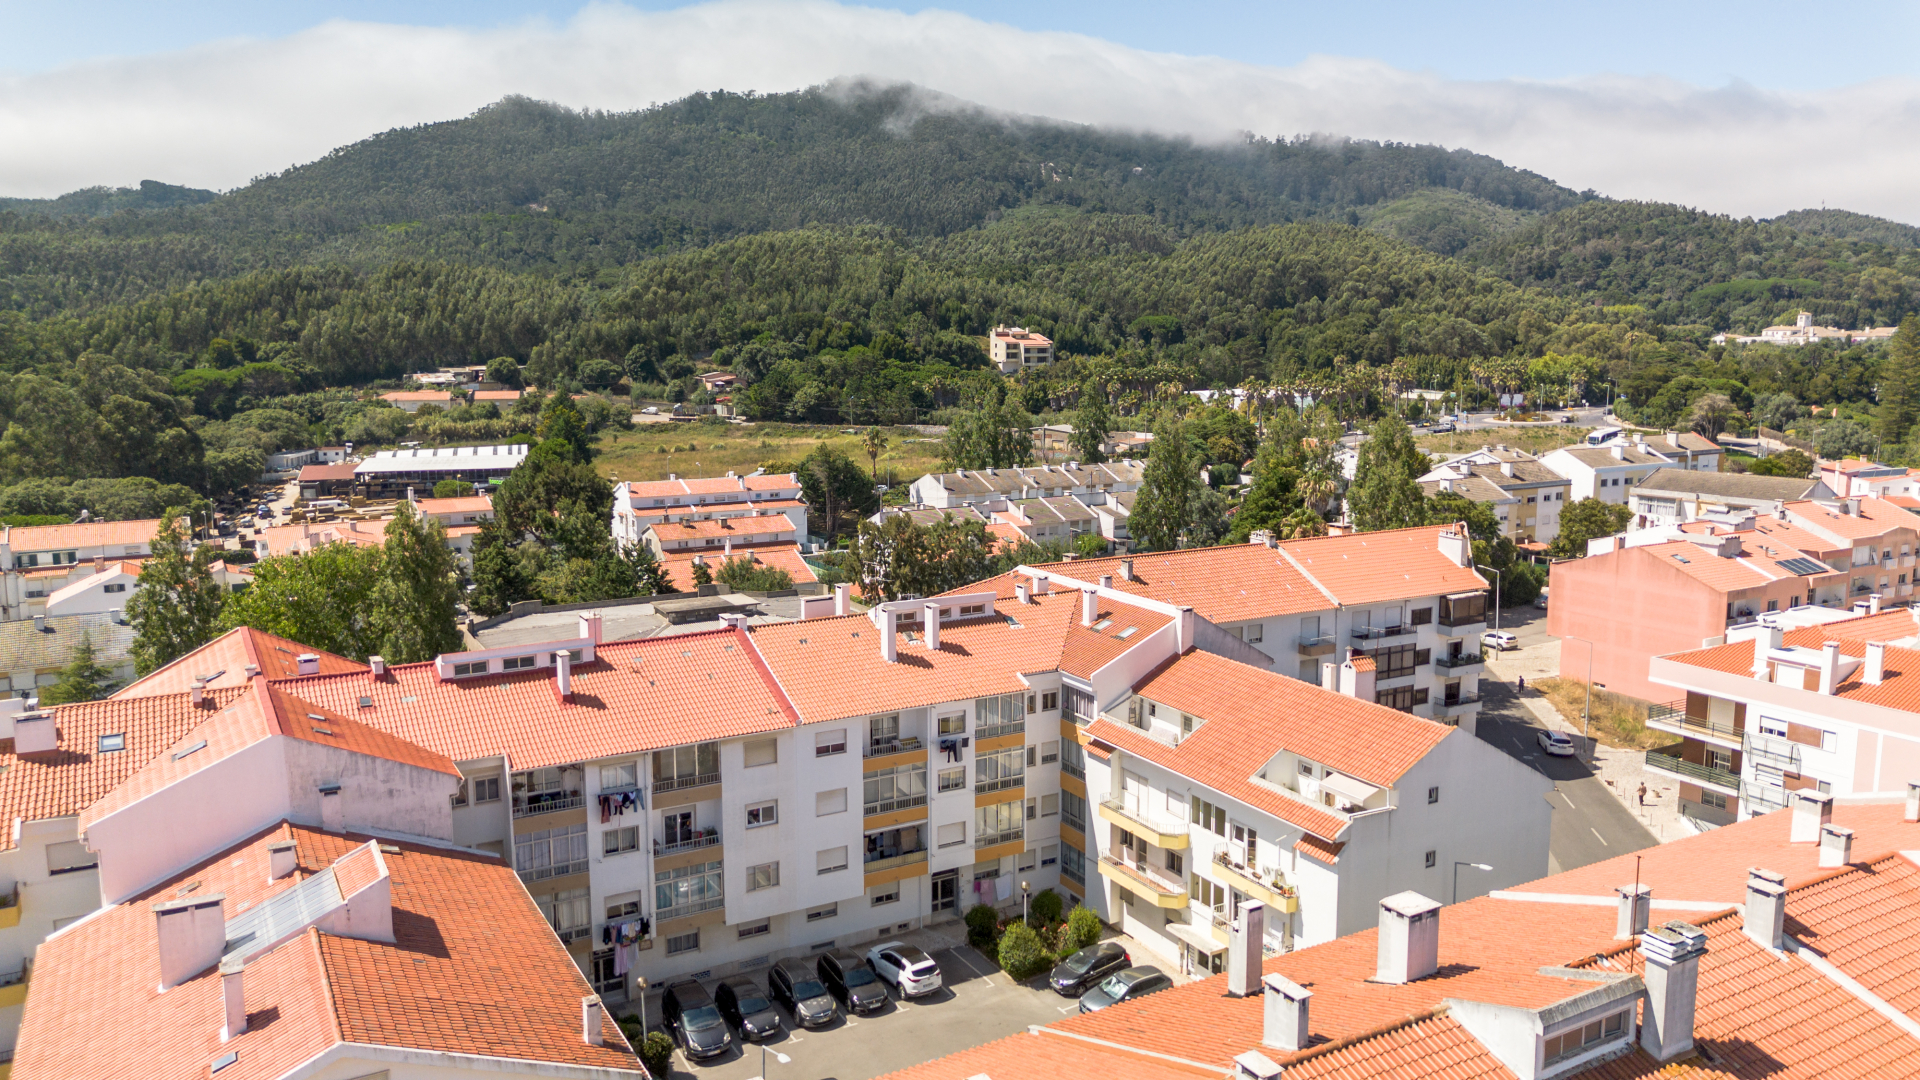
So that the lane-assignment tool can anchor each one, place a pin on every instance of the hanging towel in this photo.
(1006, 888)
(621, 963)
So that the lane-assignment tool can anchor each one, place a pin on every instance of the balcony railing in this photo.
(988, 731)
(681, 911)
(1005, 836)
(553, 870)
(1763, 798)
(1147, 820)
(1077, 875)
(1153, 877)
(883, 747)
(1315, 644)
(982, 787)
(888, 862)
(1465, 659)
(1374, 633)
(1699, 774)
(1078, 825)
(1774, 750)
(548, 804)
(1453, 621)
(888, 806)
(1458, 701)
(1672, 716)
(706, 838)
(574, 933)
(1068, 768)
(678, 782)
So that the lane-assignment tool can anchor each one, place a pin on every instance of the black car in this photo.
(798, 987)
(694, 1021)
(1124, 986)
(850, 980)
(1072, 976)
(747, 1009)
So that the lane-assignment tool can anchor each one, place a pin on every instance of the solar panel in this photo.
(283, 915)
(1803, 567)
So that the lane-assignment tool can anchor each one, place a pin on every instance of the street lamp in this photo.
(1586, 719)
(1023, 901)
(777, 1056)
(1457, 864)
(1496, 592)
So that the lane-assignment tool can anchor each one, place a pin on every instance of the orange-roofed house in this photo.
(1016, 348)
(39, 560)
(415, 400)
(638, 504)
(719, 535)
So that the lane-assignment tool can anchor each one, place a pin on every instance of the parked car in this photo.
(793, 984)
(1088, 967)
(1441, 428)
(1540, 601)
(852, 982)
(1124, 986)
(1499, 640)
(905, 968)
(747, 1009)
(1557, 743)
(651, 410)
(694, 1021)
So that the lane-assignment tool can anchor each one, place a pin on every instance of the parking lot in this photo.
(978, 1004)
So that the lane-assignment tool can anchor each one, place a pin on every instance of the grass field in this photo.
(1533, 440)
(652, 451)
(1618, 721)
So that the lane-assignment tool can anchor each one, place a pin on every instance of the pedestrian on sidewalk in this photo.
(1523, 682)
(1643, 794)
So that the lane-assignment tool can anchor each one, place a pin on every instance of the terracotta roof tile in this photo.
(1875, 517)
(225, 659)
(90, 534)
(679, 565)
(1222, 584)
(466, 504)
(715, 528)
(1044, 1055)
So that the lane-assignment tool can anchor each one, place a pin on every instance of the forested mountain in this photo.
(1847, 225)
(99, 201)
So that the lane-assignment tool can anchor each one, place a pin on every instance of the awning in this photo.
(1199, 937)
(1466, 595)
(1357, 790)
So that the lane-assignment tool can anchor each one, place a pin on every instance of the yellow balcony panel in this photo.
(1158, 831)
(1264, 884)
(10, 914)
(875, 762)
(898, 868)
(1163, 891)
(1072, 837)
(1017, 793)
(892, 818)
(1073, 784)
(999, 742)
(13, 994)
(999, 851)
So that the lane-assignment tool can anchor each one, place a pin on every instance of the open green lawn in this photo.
(652, 451)
(1533, 440)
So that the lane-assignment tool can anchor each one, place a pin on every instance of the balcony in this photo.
(1672, 717)
(1068, 768)
(1667, 760)
(1157, 829)
(549, 803)
(994, 839)
(1454, 663)
(1144, 881)
(1315, 644)
(553, 870)
(1763, 798)
(681, 911)
(13, 987)
(983, 787)
(888, 806)
(994, 731)
(1465, 614)
(576, 933)
(1456, 705)
(890, 862)
(884, 747)
(1264, 883)
(10, 908)
(692, 780)
(1376, 633)
(1076, 875)
(705, 838)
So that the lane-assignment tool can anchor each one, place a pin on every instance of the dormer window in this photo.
(1577, 1040)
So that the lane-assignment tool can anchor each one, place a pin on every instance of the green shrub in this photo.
(656, 1053)
(1021, 952)
(1046, 909)
(983, 926)
(1083, 929)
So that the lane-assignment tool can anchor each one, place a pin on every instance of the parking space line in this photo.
(1570, 805)
(1597, 836)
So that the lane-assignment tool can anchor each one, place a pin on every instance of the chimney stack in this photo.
(333, 808)
(1829, 666)
(234, 996)
(1873, 604)
(191, 934)
(889, 639)
(563, 673)
(1636, 906)
(1766, 907)
(1329, 676)
(1913, 801)
(1768, 639)
(376, 666)
(1040, 584)
(1409, 938)
(282, 857)
(197, 692)
(252, 670)
(843, 599)
(930, 618)
(1246, 946)
(1020, 592)
(309, 663)
(590, 626)
(1812, 812)
(1836, 846)
(40, 623)
(1286, 1014)
(1089, 606)
(1672, 976)
(590, 1020)
(1876, 666)
(1126, 569)
(35, 732)
(1106, 581)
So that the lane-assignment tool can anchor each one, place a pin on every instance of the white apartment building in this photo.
(1609, 472)
(1525, 494)
(1016, 348)
(638, 504)
(38, 561)
(990, 489)
(1855, 477)
(1675, 496)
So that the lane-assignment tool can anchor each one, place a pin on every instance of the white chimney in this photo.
(1836, 846)
(590, 626)
(1330, 676)
(40, 623)
(563, 672)
(1829, 666)
(191, 934)
(35, 732)
(252, 670)
(930, 617)
(1246, 946)
(197, 692)
(333, 808)
(1089, 606)
(1635, 908)
(590, 1020)
(1672, 976)
(1619, 452)
(1040, 584)
(843, 599)
(1020, 592)
(1812, 812)
(309, 663)
(1766, 907)
(1506, 469)
(1913, 801)
(1106, 581)
(1409, 938)
(376, 666)
(1876, 668)
(889, 635)
(1286, 1014)
(1767, 640)
(282, 857)
(234, 996)
(1126, 569)
(1873, 603)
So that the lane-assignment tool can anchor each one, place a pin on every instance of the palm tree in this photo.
(873, 441)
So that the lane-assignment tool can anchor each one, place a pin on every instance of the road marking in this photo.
(1570, 805)
(1597, 836)
(1068, 1008)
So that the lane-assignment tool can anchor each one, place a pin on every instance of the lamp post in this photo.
(1586, 718)
(1496, 592)
(1024, 888)
(777, 1056)
(1457, 864)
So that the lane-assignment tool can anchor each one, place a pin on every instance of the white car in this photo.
(651, 410)
(1499, 640)
(905, 968)
(1557, 744)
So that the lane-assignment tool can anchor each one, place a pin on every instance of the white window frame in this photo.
(763, 876)
(763, 813)
(829, 801)
(830, 860)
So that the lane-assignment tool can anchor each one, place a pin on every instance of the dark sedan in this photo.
(794, 984)
(1087, 967)
(1124, 986)
(747, 1008)
(694, 1021)
(849, 979)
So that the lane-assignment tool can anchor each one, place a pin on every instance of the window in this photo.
(1256, 633)
(1432, 859)
(69, 855)
(683, 943)
(1050, 701)
(1073, 811)
(1033, 757)
(1396, 698)
(1209, 893)
(953, 725)
(686, 890)
(1079, 704)
(622, 777)
(515, 663)
(997, 823)
(1394, 662)
(1000, 769)
(551, 852)
(623, 906)
(826, 803)
(486, 789)
(1213, 818)
(686, 766)
(1073, 864)
(478, 667)
(950, 835)
(1713, 799)
(1028, 860)
(1049, 752)
(761, 752)
(116, 587)
(605, 978)
(755, 929)
(111, 743)
(1001, 715)
(898, 788)
(886, 894)
(1033, 703)
(1049, 805)
(826, 743)
(1433, 795)
(1569, 1043)
(1033, 809)
(763, 876)
(1422, 616)
(953, 779)
(566, 912)
(621, 840)
(1175, 864)
(1719, 759)
(1050, 855)
(883, 734)
(763, 813)
(819, 913)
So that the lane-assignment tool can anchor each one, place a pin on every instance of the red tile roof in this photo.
(417, 395)
(466, 504)
(473, 970)
(223, 662)
(716, 528)
(89, 534)
(1373, 567)
(679, 565)
(1875, 517)
(1899, 687)
(337, 470)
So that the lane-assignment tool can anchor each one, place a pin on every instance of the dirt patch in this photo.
(654, 451)
(1533, 440)
(1618, 721)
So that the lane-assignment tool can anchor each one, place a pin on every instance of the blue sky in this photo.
(1767, 44)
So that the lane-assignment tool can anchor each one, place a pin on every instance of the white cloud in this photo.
(215, 115)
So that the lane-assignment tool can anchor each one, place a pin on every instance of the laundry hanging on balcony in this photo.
(618, 803)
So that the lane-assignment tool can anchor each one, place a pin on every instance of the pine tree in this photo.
(1386, 490)
(83, 679)
(1163, 508)
(1899, 383)
(1091, 424)
(701, 575)
(415, 596)
(176, 607)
